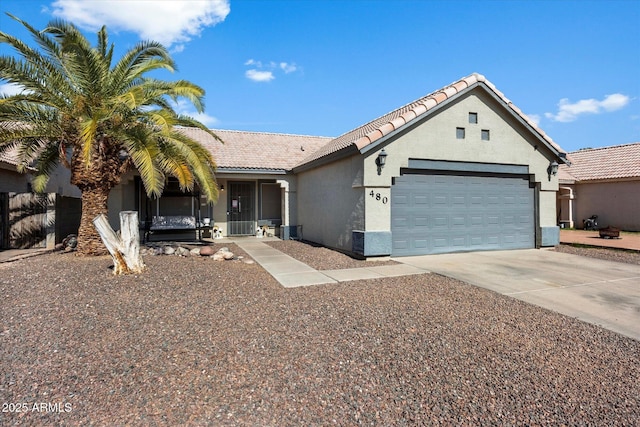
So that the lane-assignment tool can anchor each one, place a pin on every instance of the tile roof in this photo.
(617, 162)
(8, 158)
(376, 129)
(257, 150)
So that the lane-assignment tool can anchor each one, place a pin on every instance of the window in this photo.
(484, 135)
(271, 207)
(459, 133)
(473, 118)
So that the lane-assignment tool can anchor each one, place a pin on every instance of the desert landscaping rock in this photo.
(180, 251)
(207, 251)
(322, 258)
(195, 342)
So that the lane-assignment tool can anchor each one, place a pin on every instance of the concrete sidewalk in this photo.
(8, 255)
(292, 273)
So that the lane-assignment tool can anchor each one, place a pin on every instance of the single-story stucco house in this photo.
(460, 169)
(28, 220)
(604, 182)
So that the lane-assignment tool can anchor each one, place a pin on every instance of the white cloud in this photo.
(259, 76)
(184, 107)
(288, 68)
(568, 112)
(535, 118)
(265, 72)
(205, 119)
(167, 22)
(615, 102)
(9, 89)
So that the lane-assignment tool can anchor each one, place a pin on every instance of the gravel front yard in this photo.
(197, 342)
(618, 255)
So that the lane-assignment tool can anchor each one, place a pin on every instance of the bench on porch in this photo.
(172, 224)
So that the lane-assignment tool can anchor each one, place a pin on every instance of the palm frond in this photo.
(45, 164)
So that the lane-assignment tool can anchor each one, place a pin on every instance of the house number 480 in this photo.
(379, 197)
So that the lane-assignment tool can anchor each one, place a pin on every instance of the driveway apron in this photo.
(604, 293)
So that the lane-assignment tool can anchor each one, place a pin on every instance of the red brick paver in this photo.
(592, 238)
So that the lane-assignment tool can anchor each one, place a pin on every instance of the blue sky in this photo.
(319, 67)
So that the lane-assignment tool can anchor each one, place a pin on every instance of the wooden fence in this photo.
(28, 220)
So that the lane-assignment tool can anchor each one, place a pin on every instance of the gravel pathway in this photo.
(618, 255)
(322, 258)
(197, 342)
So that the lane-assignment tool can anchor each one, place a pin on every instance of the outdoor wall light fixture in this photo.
(552, 169)
(381, 160)
(222, 188)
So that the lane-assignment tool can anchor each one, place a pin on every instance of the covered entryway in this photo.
(241, 205)
(435, 213)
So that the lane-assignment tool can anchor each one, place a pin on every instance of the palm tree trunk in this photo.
(94, 203)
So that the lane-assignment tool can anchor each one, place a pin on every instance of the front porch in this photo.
(247, 206)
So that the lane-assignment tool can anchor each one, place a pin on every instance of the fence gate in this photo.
(27, 220)
(4, 221)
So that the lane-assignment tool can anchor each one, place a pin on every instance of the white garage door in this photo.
(433, 214)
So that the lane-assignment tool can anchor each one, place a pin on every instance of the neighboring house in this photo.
(10, 178)
(460, 169)
(30, 220)
(604, 182)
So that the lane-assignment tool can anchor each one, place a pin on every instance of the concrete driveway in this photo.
(604, 293)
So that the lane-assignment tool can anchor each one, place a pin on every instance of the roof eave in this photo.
(560, 156)
(252, 171)
(416, 121)
(329, 158)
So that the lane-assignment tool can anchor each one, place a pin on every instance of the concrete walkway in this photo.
(8, 255)
(292, 273)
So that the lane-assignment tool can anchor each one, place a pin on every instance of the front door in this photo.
(241, 214)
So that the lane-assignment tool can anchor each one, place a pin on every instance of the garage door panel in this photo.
(421, 221)
(420, 243)
(420, 199)
(441, 200)
(440, 242)
(446, 213)
(476, 241)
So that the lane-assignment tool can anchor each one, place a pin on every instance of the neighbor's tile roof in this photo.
(257, 150)
(564, 175)
(8, 158)
(617, 162)
(376, 129)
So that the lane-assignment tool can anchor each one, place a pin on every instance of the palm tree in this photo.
(99, 118)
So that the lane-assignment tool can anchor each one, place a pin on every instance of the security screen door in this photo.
(241, 214)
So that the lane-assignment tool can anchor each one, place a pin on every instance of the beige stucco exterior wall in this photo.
(331, 202)
(354, 195)
(59, 183)
(122, 198)
(12, 181)
(435, 139)
(616, 203)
